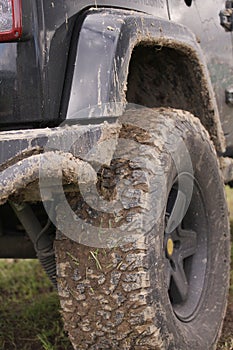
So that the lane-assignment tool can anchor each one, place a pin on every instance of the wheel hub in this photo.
(169, 247)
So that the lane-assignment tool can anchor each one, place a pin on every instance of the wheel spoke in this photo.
(177, 213)
(188, 243)
(180, 281)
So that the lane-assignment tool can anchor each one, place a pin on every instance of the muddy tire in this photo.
(167, 287)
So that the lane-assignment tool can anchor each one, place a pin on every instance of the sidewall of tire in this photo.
(201, 332)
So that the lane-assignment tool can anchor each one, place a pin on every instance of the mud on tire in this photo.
(166, 289)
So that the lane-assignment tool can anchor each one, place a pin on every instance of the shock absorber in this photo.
(42, 242)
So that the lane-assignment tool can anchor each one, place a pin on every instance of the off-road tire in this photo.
(120, 300)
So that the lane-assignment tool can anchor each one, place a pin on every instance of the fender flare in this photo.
(101, 59)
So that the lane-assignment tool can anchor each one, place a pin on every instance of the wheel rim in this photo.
(185, 247)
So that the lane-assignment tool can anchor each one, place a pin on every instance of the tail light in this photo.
(10, 20)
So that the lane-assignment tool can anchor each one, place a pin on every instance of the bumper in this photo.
(23, 154)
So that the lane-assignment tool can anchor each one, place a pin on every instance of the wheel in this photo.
(165, 288)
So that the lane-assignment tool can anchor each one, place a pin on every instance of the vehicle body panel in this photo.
(32, 72)
(203, 19)
(36, 94)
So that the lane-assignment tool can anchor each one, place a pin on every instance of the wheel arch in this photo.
(126, 56)
(168, 73)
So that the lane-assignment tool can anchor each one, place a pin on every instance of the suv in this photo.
(116, 136)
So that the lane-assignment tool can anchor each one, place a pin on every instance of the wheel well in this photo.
(166, 77)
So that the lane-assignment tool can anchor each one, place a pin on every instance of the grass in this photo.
(226, 341)
(29, 308)
(229, 193)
